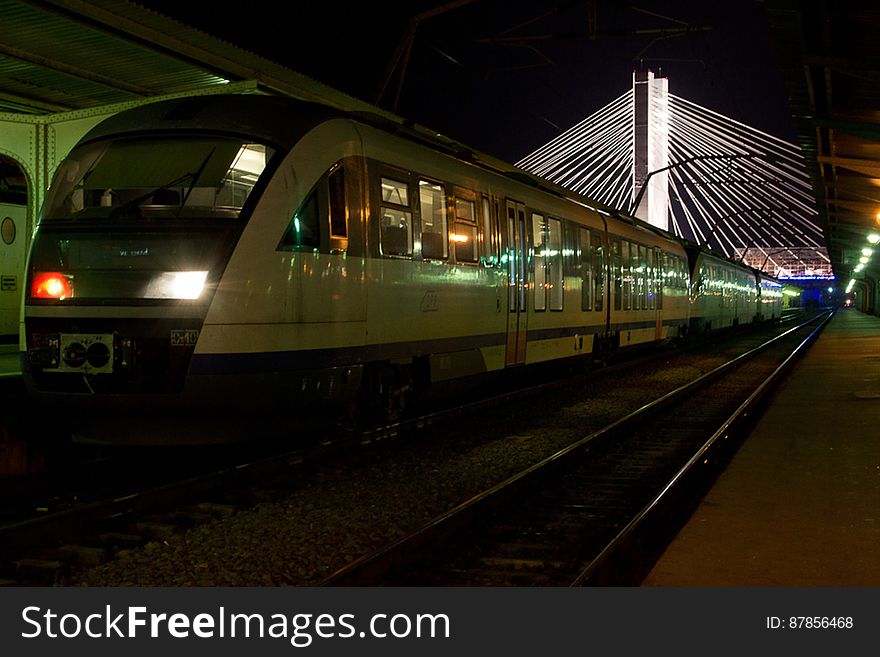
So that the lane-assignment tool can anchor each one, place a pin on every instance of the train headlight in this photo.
(177, 285)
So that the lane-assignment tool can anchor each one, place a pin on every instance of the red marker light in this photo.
(51, 285)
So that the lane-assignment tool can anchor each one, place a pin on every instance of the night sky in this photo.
(507, 76)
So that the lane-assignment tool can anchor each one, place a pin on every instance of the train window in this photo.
(644, 278)
(338, 221)
(490, 234)
(597, 258)
(616, 273)
(547, 240)
(396, 232)
(432, 202)
(511, 259)
(586, 254)
(396, 219)
(464, 234)
(555, 282)
(238, 181)
(571, 255)
(303, 230)
(465, 209)
(538, 235)
(635, 287)
(626, 274)
(659, 277)
(181, 178)
(633, 276)
(394, 191)
(659, 274)
(652, 279)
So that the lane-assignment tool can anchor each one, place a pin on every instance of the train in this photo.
(217, 267)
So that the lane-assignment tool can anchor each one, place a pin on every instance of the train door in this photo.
(517, 284)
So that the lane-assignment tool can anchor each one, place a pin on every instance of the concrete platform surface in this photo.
(799, 505)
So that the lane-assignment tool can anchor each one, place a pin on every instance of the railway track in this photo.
(601, 510)
(84, 526)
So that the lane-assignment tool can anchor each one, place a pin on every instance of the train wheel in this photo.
(603, 349)
(393, 400)
(385, 392)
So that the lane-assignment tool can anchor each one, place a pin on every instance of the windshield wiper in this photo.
(135, 202)
(192, 176)
(195, 177)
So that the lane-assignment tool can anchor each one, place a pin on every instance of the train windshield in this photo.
(129, 179)
(141, 219)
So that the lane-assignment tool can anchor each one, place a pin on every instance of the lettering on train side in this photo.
(430, 302)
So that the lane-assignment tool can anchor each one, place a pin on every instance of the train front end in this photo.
(131, 245)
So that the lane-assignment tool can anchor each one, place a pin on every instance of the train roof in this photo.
(275, 120)
(282, 121)
(695, 250)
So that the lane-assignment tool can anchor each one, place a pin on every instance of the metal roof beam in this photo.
(866, 167)
(865, 208)
(844, 66)
(75, 71)
(28, 105)
(116, 19)
(866, 129)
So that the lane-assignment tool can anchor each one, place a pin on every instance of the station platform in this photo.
(799, 504)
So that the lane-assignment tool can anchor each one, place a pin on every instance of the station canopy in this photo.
(829, 58)
(64, 55)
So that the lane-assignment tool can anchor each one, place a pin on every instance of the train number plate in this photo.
(184, 337)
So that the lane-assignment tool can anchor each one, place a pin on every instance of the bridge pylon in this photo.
(651, 147)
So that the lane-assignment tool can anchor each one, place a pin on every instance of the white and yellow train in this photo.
(209, 264)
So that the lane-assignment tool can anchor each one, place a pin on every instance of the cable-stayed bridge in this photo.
(699, 174)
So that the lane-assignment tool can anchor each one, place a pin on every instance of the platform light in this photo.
(849, 287)
(864, 260)
(859, 268)
(867, 252)
(873, 238)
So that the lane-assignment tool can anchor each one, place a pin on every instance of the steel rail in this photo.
(605, 568)
(372, 567)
